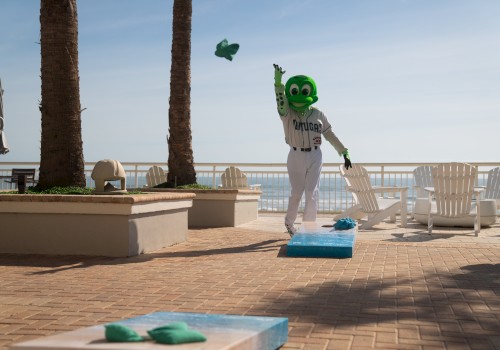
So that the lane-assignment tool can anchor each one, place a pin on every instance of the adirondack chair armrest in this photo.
(477, 189)
(383, 189)
(429, 189)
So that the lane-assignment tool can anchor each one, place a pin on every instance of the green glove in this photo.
(226, 50)
(278, 74)
(347, 160)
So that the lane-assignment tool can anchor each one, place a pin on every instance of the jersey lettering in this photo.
(306, 131)
(304, 126)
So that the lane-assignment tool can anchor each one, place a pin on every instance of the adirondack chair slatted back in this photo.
(453, 188)
(358, 182)
(155, 176)
(493, 184)
(233, 178)
(423, 178)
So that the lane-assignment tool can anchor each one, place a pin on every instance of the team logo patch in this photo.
(317, 140)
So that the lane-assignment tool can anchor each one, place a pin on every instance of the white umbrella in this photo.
(4, 146)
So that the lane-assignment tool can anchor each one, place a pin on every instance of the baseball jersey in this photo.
(306, 132)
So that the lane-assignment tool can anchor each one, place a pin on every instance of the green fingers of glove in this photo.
(278, 74)
(347, 160)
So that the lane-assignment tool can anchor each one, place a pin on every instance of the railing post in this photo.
(213, 176)
(382, 174)
(477, 174)
(136, 181)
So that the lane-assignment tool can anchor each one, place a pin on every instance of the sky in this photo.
(399, 80)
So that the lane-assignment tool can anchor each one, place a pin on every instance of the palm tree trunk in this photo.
(61, 156)
(180, 151)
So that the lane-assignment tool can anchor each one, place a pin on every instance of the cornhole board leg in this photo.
(222, 332)
(313, 240)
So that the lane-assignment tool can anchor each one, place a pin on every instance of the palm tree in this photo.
(180, 150)
(61, 156)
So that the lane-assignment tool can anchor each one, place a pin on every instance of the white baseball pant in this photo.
(304, 170)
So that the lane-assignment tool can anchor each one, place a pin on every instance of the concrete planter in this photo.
(118, 226)
(220, 208)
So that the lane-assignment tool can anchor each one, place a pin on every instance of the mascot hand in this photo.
(347, 160)
(278, 73)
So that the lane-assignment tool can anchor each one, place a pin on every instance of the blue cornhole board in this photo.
(222, 332)
(313, 240)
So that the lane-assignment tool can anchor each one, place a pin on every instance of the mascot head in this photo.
(301, 92)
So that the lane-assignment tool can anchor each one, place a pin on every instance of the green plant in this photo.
(194, 187)
(63, 191)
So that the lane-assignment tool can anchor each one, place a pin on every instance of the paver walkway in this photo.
(402, 289)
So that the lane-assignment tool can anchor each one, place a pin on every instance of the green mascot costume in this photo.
(304, 128)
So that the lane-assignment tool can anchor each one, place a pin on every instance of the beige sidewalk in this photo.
(402, 289)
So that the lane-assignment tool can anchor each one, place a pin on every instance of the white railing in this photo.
(273, 179)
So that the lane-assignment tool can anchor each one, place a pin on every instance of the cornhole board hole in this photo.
(314, 240)
(222, 332)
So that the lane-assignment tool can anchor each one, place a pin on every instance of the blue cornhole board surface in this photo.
(313, 240)
(222, 332)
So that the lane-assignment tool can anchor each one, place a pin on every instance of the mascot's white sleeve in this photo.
(281, 100)
(334, 140)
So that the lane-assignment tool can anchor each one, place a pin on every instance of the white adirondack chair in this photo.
(493, 186)
(155, 176)
(422, 177)
(453, 191)
(234, 178)
(368, 204)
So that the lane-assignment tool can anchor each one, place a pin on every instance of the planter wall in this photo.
(220, 208)
(118, 226)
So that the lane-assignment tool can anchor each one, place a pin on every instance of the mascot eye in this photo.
(294, 89)
(306, 90)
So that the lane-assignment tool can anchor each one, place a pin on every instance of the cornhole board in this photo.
(314, 240)
(222, 332)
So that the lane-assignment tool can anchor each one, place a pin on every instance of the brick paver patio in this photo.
(402, 289)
